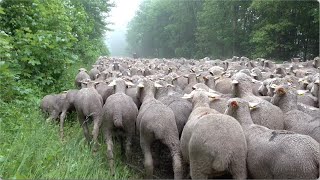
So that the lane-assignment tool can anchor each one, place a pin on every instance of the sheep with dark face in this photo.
(295, 120)
(276, 154)
(88, 104)
(156, 121)
(267, 115)
(212, 142)
(81, 76)
(119, 112)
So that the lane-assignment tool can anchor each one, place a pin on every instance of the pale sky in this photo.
(120, 15)
(123, 12)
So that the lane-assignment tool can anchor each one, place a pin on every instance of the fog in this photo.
(120, 15)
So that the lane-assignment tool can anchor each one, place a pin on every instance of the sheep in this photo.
(93, 73)
(120, 112)
(295, 120)
(192, 80)
(212, 142)
(223, 84)
(104, 90)
(180, 107)
(156, 121)
(88, 103)
(268, 114)
(278, 154)
(57, 105)
(82, 75)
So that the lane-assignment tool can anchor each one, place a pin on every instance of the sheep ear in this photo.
(211, 73)
(170, 85)
(253, 105)
(227, 75)
(187, 96)
(157, 85)
(129, 83)
(175, 78)
(234, 104)
(140, 85)
(205, 77)
(213, 95)
(253, 74)
(235, 82)
(281, 91)
(301, 92)
(113, 83)
(84, 82)
(317, 81)
(186, 76)
(273, 86)
(216, 78)
(253, 80)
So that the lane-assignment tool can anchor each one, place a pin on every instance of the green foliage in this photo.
(286, 29)
(42, 38)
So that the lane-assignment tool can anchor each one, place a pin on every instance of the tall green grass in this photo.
(30, 148)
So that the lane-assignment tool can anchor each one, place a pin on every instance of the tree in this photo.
(285, 29)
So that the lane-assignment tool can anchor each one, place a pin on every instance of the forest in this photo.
(271, 29)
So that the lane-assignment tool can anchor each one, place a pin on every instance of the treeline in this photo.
(218, 29)
(40, 39)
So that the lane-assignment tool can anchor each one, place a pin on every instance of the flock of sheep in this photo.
(250, 118)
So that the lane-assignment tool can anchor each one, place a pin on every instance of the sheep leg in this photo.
(238, 168)
(122, 148)
(95, 132)
(84, 126)
(196, 173)
(62, 117)
(129, 138)
(108, 141)
(176, 157)
(148, 162)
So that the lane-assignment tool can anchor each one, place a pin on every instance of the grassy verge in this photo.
(30, 148)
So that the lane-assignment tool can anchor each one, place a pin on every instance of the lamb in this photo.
(275, 154)
(119, 112)
(88, 103)
(156, 121)
(267, 115)
(295, 120)
(204, 144)
(82, 75)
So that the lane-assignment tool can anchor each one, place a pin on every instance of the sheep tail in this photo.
(220, 163)
(117, 120)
